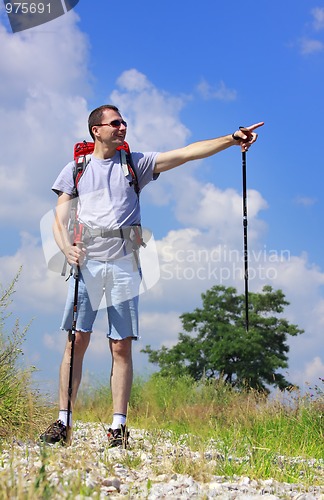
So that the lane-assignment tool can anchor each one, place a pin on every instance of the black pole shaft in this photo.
(72, 340)
(245, 240)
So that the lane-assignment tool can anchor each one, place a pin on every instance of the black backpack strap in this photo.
(80, 165)
(133, 173)
(129, 168)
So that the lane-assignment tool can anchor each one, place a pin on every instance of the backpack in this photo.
(82, 156)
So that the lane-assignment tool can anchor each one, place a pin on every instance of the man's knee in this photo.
(121, 348)
(81, 342)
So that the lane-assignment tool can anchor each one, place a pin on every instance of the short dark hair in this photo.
(95, 116)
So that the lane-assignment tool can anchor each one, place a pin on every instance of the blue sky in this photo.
(180, 72)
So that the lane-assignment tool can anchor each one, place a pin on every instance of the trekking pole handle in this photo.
(78, 244)
(245, 131)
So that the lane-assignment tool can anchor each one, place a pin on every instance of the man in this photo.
(109, 210)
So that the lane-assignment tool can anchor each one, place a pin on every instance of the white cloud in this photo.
(318, 18)
(302, 282)
(206, 206)
(314, 369)
(55, 342)
(310, 46)
(158, 328)
(55, 57)
(305, 201)
(309, 376)
(43, 78)
(220, 92)
(38, 289)
(153, 115)
(134, 81)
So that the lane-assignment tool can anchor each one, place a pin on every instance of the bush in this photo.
(21, 407)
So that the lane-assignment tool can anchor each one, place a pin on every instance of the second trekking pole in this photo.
(245, 242)
(249, 139)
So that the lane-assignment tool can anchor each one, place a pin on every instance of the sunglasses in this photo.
(113, 123)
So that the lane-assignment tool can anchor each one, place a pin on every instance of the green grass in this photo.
(252, 432)
(232, 434)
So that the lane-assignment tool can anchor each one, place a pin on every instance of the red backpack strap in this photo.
(125, 147)
(83, 148)
(82, 152)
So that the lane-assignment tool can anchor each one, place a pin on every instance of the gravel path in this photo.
(144, 471)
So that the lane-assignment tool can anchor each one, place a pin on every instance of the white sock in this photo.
(63, 416)
(118, 419)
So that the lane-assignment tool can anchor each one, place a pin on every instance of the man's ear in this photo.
(95, 130)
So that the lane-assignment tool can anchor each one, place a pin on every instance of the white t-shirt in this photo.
(107, 199)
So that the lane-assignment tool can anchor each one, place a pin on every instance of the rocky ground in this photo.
(146, 470)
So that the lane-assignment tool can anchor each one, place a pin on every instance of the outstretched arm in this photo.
(202, 149)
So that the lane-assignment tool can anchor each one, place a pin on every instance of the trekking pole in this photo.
(71, 337)
(245, 240)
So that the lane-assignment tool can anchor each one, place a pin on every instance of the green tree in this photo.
(218, 344)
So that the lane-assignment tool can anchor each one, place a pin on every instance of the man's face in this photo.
(112, 131)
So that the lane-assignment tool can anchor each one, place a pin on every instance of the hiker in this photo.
(108, 211)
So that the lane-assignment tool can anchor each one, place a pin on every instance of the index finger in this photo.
(253, 127)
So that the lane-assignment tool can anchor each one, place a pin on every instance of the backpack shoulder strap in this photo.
(128, 168)
(80, 164)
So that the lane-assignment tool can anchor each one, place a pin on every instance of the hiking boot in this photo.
(118, 437)
(55, 433)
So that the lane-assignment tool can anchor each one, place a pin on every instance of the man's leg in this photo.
(59, 431)
(121, 374)
(81, 343)
(123, 329)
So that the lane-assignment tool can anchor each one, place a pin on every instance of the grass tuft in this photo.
(22, 408)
